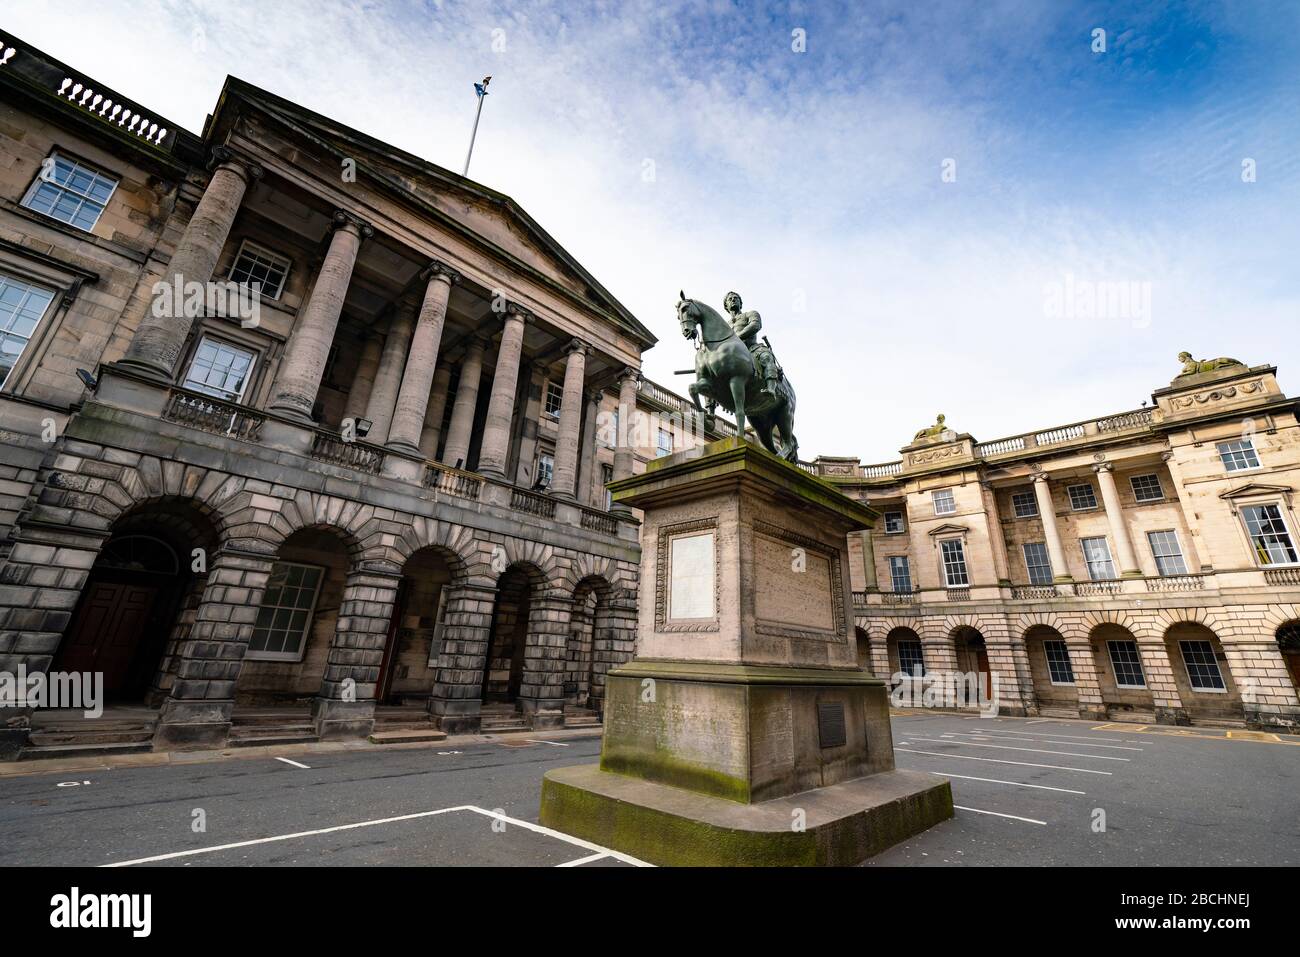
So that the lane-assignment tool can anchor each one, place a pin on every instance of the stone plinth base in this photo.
(842, 824)
(192, 725)
(341, 720)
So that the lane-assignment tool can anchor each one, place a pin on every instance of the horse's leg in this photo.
(763, 427)
(789, 445)
(738, 397)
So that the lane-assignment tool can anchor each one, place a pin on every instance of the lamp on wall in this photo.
(363, 427)
(87, 380)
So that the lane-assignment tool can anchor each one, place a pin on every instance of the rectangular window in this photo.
(545, 470)
(894, 523)
(1238, 456)
(944, 503)
(1202, 666)
(954, 564)
(285, 613)
(1082, 497)
(1038, 564)
(21, 308)
(1127, 663)
(260, 270)
(220, 370)
(439, 621)
(607, 476)
(1269, 535)
(1024, 504)
(554, 399)
(1059, 668)
(900, 574)
(1147, 488)
(1096, 552)
(1168, 554)
(665, 446)
(911, 660)
(70, 192)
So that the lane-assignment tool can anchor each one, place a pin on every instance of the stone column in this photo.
(564, 484)
(495, 449)
(1128, 562)
(456, 449)
(413, 397)
(869, 562)
(304, 358)
(541, 693)
(434, 412)
(159, 339)
(1047, 512)
(388, 380)
(1087, 686)
(624, 455)
(456, 698)
(345, 707)
(364, 380)
(587, 475)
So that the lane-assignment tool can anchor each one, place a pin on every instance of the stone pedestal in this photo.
(744, 731)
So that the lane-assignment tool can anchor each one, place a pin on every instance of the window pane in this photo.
(911, 660)
(1037, 563)
(219, 369)
(1147, 488)
(1096, 552)
(285, 614)
(1268, 533)
(74, 193)
(893, 522)
(1125, 660)
(900, 573)
(21, 306)
(1167, 553)
(944, 502)
(1025, 504)
(1238, 455)
(1082, 497)
(1202, 666)
(1058, 662)
(954, 564)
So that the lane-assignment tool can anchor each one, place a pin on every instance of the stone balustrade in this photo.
(452, 481)
(203, 412)
(1068, 591)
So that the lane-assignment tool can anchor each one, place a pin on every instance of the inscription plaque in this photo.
(691, 567)
(830, 725)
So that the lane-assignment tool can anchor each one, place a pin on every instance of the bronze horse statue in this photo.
(725, 375)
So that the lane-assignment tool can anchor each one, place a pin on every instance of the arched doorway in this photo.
(1288, 641)
(1051, 669)
(906, 655)
(973, 657)
(588, 648)
(503, 672)
(1205, 683)
(128, 616)
(410, 660)
(864, 649)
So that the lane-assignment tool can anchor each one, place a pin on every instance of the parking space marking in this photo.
(1026, 764)
(1079, 737)
(1014, 817)
(527, 825)
(1008, 747)
(590, 858)
(295, 764)
(1072, 744)
(554, 744)
(1018, 784)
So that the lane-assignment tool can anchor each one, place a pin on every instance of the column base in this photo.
(287, 437)
(1286, 720)
(132, 389)
(1175, 716)
(185, 725)
(398, 466)
(845, 823)
(457, 715)
(343, 720)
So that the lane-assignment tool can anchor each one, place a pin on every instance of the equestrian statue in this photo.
(737, 370)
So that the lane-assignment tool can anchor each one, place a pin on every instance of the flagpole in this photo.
(481, 89)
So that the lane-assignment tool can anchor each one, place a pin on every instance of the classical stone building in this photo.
(293, 418)
(1142, 566)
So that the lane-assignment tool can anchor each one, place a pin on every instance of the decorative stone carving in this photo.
(1197, 366)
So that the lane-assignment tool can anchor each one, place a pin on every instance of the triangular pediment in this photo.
(1256, 488)
(488, 219)
(948, 528)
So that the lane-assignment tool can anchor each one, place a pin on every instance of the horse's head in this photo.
(688, 314)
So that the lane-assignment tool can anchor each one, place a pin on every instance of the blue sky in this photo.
(811, 181)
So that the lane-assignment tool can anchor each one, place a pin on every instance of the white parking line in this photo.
(527, 825)
(1019, 784)
(1078, 737)
(1026, 764)
(305, 767)
(1027, 820)
(1008, 747)
(583, 860)
(554, 744)
(1073, 744)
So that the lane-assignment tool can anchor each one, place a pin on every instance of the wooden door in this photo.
(107, 632)
(982, 665)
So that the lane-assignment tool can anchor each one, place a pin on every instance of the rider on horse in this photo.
(746, 326)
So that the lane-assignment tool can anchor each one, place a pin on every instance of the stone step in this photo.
(258, 719)
(47, 738)
(499, 726)
(69, 725)
(409, 736)
(83, 750)
(581, 721)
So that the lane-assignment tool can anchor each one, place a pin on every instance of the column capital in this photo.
(1040, 477)
(225, 156)
(1103, 467)
(515, 309)
(629, 372)
(437, 269)
(595, 395)
(577, 345)
(345, 220)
